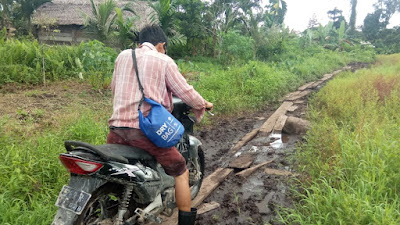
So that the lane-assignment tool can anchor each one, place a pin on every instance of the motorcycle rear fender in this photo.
(83, 183)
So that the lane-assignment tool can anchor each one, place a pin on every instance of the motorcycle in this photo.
(118, 184)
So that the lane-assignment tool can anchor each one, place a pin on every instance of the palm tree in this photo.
(164, 15)
(125, 30)
(102, 19)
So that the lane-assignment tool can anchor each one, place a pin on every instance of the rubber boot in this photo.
(187, 218)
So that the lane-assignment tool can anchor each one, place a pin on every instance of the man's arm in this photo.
(177, 84)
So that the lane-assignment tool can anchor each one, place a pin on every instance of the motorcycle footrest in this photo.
(147, 216)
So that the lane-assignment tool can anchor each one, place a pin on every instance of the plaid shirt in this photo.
(160, 78)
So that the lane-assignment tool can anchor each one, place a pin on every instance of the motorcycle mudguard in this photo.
(83, 183)
(194, 146)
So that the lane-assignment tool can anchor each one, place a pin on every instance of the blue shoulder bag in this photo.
(160, 126)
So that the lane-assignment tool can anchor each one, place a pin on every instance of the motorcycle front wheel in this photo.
(196, 172)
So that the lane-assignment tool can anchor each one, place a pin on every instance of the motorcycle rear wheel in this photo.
(102, 206)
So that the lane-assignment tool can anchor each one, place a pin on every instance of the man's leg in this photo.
(182, 192)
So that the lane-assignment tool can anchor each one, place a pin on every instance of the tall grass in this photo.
(25, 62)
(31, 174)
(238, 88)
(352, 151)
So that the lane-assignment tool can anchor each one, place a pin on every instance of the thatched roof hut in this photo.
(68, 16)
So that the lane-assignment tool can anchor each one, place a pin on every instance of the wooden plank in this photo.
(305, 86)
(327, 77)
(249, 171)
(243, 161)
(206, 207)
(316, 84)
(280, 123)
(300, 95)
(299, 102)
(336, 72)
(209, 184)
(293, 108)
(270, 171)
(248, 137)
(268, 126)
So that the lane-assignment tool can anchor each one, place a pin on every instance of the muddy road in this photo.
(255, 199)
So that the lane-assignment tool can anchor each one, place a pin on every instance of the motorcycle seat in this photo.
(128, 152)
(111, 152)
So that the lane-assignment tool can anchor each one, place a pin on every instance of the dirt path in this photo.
(251, 200)
(257, 198)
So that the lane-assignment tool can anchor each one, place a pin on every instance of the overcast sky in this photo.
(300, 11)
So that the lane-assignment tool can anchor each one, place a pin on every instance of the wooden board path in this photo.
(268, 126)
(209, 184)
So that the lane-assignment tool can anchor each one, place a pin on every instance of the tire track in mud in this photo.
(256, 198)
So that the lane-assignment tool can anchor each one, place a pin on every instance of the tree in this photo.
(25, 9)
(374, 23)
(276, 12)
(165, 15)
(5, 11)
(125, 30)
(336, 16)
(313, 23)
(352, 23)
(102, 19)
(190, 19)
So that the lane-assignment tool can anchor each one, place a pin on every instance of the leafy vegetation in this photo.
(351, 153)
(26, 61)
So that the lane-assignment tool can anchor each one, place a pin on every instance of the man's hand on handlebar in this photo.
(209, 106)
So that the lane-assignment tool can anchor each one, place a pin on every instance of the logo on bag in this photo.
(162, 129)
(166, 131)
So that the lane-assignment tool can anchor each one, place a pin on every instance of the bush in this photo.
(22, 62)
(236, 48)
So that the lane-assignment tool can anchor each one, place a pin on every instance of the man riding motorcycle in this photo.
(161, 79)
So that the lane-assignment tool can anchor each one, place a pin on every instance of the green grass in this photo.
(352, 150)
(31, 173)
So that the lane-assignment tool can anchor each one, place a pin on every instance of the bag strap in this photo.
(137, 75)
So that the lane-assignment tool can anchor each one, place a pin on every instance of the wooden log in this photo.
(270, 171)
(249, 171)
(206, 207)
(305, 86)
(299, 95)
(243, 161)
(209, 184)
(268, 126)
(280, 123)
(248, 137)
(296, 125)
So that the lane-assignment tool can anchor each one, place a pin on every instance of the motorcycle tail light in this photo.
(79, 166)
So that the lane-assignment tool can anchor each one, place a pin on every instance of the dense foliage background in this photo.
(239, 55)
